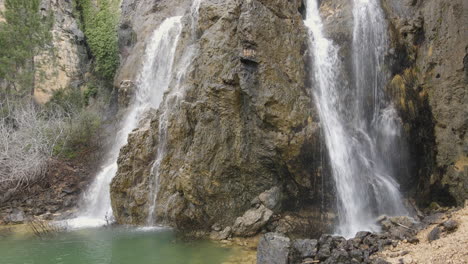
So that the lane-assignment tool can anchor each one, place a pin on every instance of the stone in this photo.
(17, 216)
(356, 254)
(324, 252)
(434, 234)
(338, 256)
(221, 235)
(362, 234)
(273, 248)
(450, 225)
(305, 247)
(436, 218)
(380, 261)
(271, 199)
(252, 221)
(413, 240)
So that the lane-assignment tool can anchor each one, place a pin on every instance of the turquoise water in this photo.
(110, 246)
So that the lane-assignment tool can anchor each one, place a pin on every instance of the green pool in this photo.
(110, 246)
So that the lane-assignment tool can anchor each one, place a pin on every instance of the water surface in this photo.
(110, 246)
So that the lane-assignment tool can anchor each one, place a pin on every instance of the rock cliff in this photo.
(430, 45)
(245, 124)
(66, 66)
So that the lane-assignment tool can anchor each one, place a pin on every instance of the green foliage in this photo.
(90, 92)
(100, 27)
(83, 121)
(80, 134)
(24, 34)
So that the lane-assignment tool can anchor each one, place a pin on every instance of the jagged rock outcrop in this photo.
(429, 87)
(245, 123)
(66, 66)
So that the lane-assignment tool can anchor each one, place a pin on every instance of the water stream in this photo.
(152, 82)
(361, 128)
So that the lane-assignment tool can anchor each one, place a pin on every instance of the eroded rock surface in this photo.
(244, 124)
(67, 65)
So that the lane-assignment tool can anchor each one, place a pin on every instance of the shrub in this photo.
(99, 23)
(28, 135)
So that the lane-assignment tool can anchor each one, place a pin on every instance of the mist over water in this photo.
(361, 128)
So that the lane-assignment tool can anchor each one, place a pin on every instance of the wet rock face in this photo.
(429, 88)
(244, 125)
(139, 18)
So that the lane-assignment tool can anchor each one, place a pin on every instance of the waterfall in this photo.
(172, 101)
(360, 127)
(152, 81)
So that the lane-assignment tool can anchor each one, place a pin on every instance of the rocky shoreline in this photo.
(54, 197)
(397, 234)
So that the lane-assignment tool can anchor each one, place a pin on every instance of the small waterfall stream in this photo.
(172, 101)
(360, 127)
(152, 82)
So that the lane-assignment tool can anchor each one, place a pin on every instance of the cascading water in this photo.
(359, 125)
(153, 80)
(171, 102)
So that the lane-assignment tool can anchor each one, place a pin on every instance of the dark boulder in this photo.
(273, 248)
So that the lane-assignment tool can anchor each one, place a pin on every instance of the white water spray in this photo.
(153, 80)
(357, 139)
(172, 101)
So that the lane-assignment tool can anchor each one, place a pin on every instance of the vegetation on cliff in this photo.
(99, 23)
(67, 126)
(24, 34)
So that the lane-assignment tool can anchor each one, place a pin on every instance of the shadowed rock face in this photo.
(429, 87)
(245, 123)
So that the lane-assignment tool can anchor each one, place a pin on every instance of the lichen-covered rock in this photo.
(244, 124)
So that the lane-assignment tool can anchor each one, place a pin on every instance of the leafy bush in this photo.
(80, 137)
(99, 23)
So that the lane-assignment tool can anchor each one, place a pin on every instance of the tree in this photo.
(24, 34)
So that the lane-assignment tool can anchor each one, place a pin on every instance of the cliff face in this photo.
(68, 63)
(243, 140)
(244, 125)
(430, 44)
